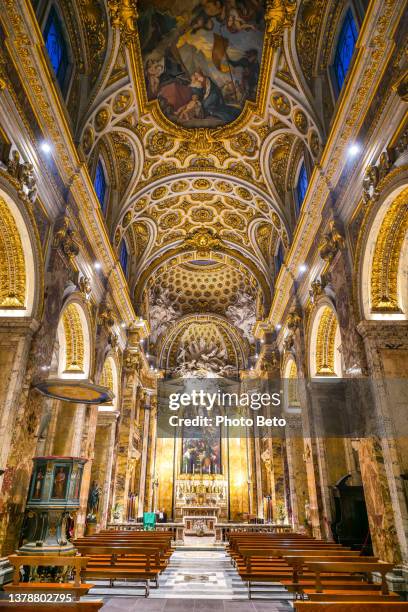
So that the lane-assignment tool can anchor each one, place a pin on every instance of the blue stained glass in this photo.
(123, 256)
(56, 47)
(279, 257)
(345, 48)
(100, 184)
(301, 186)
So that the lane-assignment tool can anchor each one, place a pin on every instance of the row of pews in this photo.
(322, 575)
(135, 556)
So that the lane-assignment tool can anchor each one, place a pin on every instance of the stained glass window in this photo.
(301, 187)
(56, 48)
(345, 49)
(123, 256)
(279, 257)
(100, 184)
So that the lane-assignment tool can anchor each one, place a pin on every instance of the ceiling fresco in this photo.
(201, 58)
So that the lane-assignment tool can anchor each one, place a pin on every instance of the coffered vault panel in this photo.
(194, 287)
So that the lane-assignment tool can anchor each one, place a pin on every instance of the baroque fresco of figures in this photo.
(201, 57)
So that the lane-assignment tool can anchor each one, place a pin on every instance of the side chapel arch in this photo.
(384, 260)
(74, 342)
(325, 342)
(18, 278)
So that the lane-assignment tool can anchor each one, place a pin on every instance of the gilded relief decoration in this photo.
(12, 270)
(386, 258)
(325, 343)
(74, 340)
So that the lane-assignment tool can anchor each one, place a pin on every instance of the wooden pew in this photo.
(76, 589)
(297, 560)
(115, 562)
(352, 567)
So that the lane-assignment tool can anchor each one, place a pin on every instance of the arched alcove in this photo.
(74, 342)
(325, 342)
(17, 273)
(384, 267)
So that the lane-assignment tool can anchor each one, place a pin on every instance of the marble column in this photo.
(103, 461)
(384, 459)
(126, 428)
(318, 506)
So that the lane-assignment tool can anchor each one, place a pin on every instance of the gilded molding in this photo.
(386, 258)
(325, 348)
(74, 339)
(12, 269)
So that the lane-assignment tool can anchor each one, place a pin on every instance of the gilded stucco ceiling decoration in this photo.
(284, 73)
(94, 18)
(139, 234)
(125, 159)
(114, 111)
(167, 154)
(279, 160)
(308, 25)
(119, 68)
(291, 114)
(267, 238)
(204, 286)
(175, 214)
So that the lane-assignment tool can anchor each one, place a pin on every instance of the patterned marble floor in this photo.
(203, 580)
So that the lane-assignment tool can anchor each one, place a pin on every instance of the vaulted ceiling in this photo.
(202, 113)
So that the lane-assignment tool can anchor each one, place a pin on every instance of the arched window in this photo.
(57, 49)
(301, 187)
(100, 184)
(123, 257)
(279, 257)
(345, 49)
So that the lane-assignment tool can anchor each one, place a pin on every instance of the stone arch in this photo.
(325, 342)
(74, 338)
(384, 260)
(19, 280)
